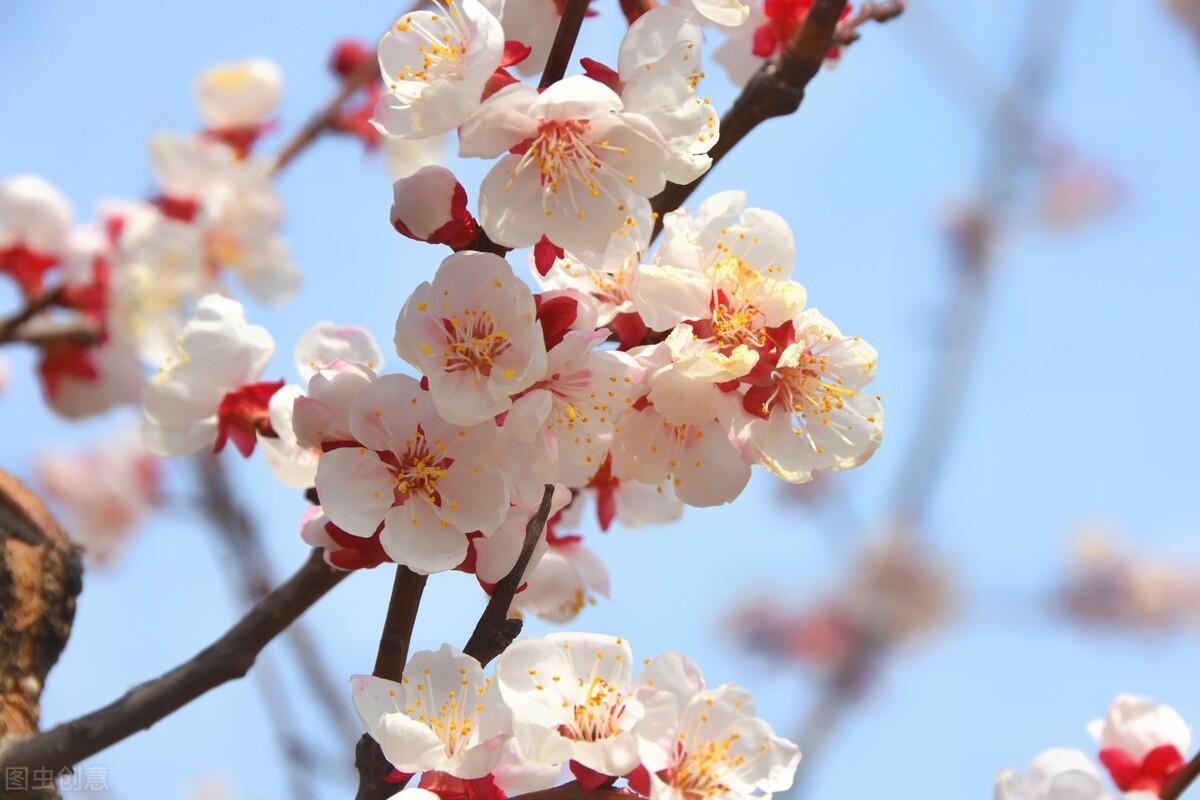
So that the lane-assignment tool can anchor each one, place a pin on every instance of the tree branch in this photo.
(564, 42)
(324, 118)
(776, 90)
(373, 768)
(228, 658)
(1183, 780)
(495, 631)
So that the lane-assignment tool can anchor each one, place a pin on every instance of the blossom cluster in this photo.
(1142, 745)
(571, 702)
(125, 282)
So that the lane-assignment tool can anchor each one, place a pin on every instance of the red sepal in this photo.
(639, 780)
(243, 414)
(448, 787)
(588, 778)
(27, 267)
(514, 53)
(605, 485)
(601, 73)
(630, 329)
(500, 78)
(556, 316)
(180, 209)
(65, 359)
(1153, 773)
(544, 253)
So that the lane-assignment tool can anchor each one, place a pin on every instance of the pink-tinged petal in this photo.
(416, 536)
(474, 498)
(355, 489)
(386, 413)
(499, 123)
(324, 343)
(410, 746)
(374, 698)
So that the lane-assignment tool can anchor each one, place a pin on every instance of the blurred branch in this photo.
(373, 768)
(564, 42)
(880, 12)
(495, 631)
(227, 659)
(776, 90)
(325, 118)
(77, 331)
(244, 541)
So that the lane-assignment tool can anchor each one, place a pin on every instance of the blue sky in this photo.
(1083, 403)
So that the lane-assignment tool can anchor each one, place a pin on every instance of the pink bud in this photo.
(431, 206)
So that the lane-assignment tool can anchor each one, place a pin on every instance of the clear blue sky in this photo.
(1084, 403)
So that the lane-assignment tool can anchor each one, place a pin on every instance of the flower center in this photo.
(596, 713)
(453, 718)
(698, 773)
(443, 46)
(416, 471)
(473, 343)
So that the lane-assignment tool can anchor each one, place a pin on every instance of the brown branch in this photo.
(228, 658)
(880, 12)
(495, 631)
(776, 90)
(564, 42)
(1182, 780)
(373, 768)
(33, 306)
(398, 626)
(573, 791)
(324, 119)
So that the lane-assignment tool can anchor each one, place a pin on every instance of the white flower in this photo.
(407, 469)
(564, 580)
(730, 13)
(403, 157)
(242, 94)
(706, 743)
(813, 411)
(689, 445)
(443, 715)
(473, 332)
(35, 223)
(581, 157)
(324, 346)
(1136, 725)
(1056, 774)
(659, 68)
(725, 274)
(435, 65)
(571, 696)
(580, 401)
(106, 488)
(208, 391)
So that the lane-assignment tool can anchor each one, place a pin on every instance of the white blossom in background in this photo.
(572, 699)
(232, 206)
(239, 95)
(444, 715)
(580, 159)
(209, 390)
(420, 477)
(566, 579)
(435, 65)
(35, 224)
(533, 23)
(404, 157)
(106, 489)
(1056, 774)
(696, 741)
(473, 333)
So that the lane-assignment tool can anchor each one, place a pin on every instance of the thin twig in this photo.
(1183, 780)
(227, 659)
(776, 90)
(495, 631)
(32, 307)
(564, 42)
(879, 12)
(324, 119)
